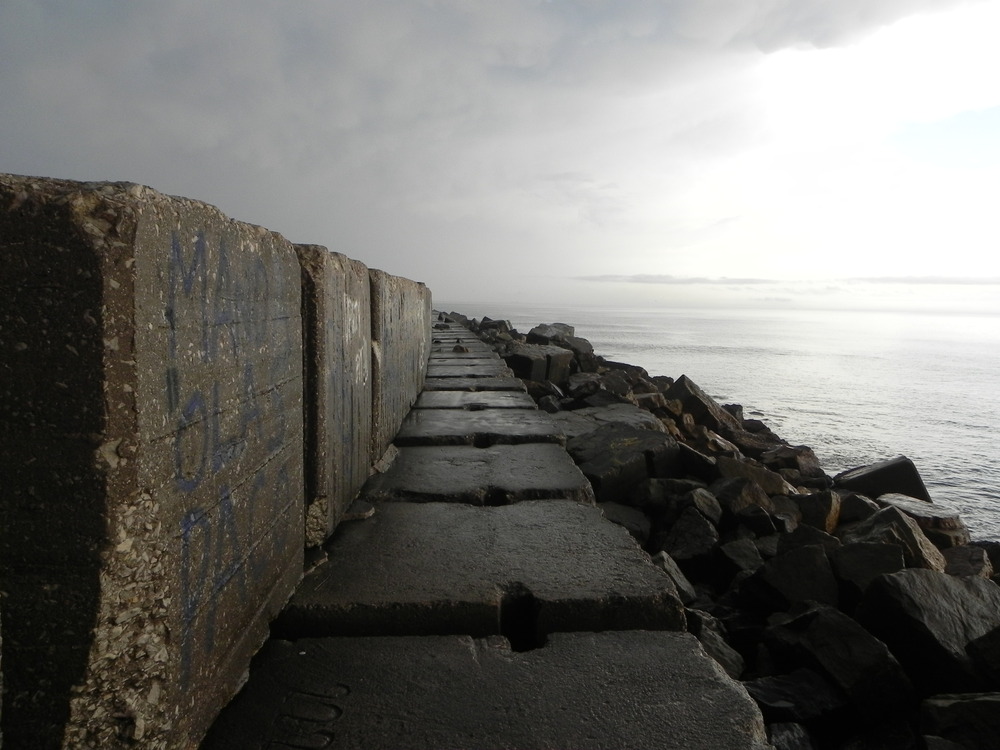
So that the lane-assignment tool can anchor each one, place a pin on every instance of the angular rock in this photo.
(893, 475)
(820, 510)
(892, 526)
(799, 457)
(741, 555)
(928, 619)
(855, 507)
(972, 721)
(691, 538)
(967, 561)
(769, 481)
(735, 494)
(801, 575)
(857, 564)
(805, 535)
(941, 523)
(615, 458)
(827, 640)
(985, 654)
(799, 696)
(790, 736)
(539, 362)
(588, 419)
(666, 563)
(546, 332)
(703, 407)
(711, 634)
(635, 521)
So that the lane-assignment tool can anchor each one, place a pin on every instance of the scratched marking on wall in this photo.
(230, 420)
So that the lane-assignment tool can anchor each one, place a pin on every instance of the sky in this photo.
(581, 152)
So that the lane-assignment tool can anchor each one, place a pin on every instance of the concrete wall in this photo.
(158, 439)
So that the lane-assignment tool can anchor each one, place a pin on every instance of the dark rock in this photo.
(691, 539)
(685, 591)
(985, 654)
(615, 383)
(972, 720)
(703, 407)
(735, 494)
(633, 373)
(581, 421)
(967, 561)
(787, 512)
(798, 457)
(662, 497)
(634, 520)
(550, 404)
(601, 398)
(940, 743)
(941, 523)
(740, 555)
(582, 384)
(710, 632)
(857, 564)
(827, 640)
(928, 619)
(696, 464)
(820, 510)
(545, 333)
(892, 526)
(855, 507)
(801, 695)
(806, 535)
(767, 546)
(616, 458)
(790, 736)
(893, 475)
(755, 520)
(539, 362)
(801, 575)
(769, 481)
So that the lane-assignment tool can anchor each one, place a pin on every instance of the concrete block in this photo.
(152, 455)
(480, 476)
(473, 384)
(401, 337)
(476, 369)
(474, 401)
(479, 428)
(582, 690)
(397, 574)
(338, 405)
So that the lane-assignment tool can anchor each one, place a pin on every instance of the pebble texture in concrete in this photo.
(582, 690)
(433, 568)
(495, 475)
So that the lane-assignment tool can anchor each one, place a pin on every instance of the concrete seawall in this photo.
(188, 403)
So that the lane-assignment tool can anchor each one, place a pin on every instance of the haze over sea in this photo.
(856, 386)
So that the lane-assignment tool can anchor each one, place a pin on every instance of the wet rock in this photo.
(769, 481)
(797, 457)
(928, 619)
(799, 696)
(735, 494)
(711, 634)
(827, 640)
(855, 507)
(967, 561)
(892, 526)
(820, 510)
(972, 721)
(894, 475)
(616, 458)
(941, 523)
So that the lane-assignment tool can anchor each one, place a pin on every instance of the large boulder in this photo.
(857, 564)
(928, 619)
(704, 408)
(827, 640)
(737, 493)
(892, 526)
(615, 458)
(771, 482)
(972, 721)
(941, 523)
(539, 362)
(893, 475)
(800, 575)
(801, 695)
(821, 510)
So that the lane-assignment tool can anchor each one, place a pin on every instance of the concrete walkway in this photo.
(486, 603)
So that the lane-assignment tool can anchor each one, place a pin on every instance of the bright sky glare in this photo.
(569, 151)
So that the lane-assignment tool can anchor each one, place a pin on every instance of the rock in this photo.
(801, 695)
(539, 362)
(661, 497)
(581, 384)
(941, 523)
(696, 464)
(635, 521)
(799, 457)
(711, 634)
(691, 539)
(985, 653)
(615, 458)
(820, 510)
(666, 563)
(857, 564)
(892, 526)
(970, 720)
(940, 743)
(544, 333)
(769, 481)
(855, 507)
(805, 535)
(894, 475)
(737, 493)
(928, 619)
(703, 407)
(755, 520)
(801, 575)
(827, 640)
(740, 555)
(967, 561)
(790, 736)
(589, 418)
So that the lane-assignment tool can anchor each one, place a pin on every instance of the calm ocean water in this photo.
(856, 387)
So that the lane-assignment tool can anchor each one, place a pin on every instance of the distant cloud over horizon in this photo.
(725, 280)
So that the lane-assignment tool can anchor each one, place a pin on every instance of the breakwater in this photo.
(854, 609)
(189, 403)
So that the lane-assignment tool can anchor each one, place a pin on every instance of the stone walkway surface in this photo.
(487, 603)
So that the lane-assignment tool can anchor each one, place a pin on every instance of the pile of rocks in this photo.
(856, 611)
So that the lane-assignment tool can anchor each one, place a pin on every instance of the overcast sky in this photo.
(524, 151)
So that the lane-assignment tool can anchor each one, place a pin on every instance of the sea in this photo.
(855, 386)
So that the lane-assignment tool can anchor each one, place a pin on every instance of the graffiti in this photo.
(230, 422)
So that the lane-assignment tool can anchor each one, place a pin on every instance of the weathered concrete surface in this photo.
(152, 453)
(479, 428)
(401, 338)
(338, 406)
(396, 573)
(496, 475)
(502, 383)
(476, 369)
(589, 418)
(582, 690)
(474, 401)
